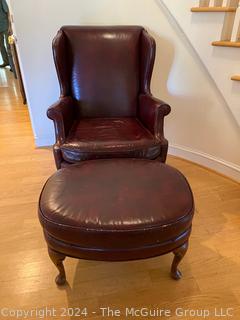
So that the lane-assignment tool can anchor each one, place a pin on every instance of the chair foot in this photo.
(60, 280)
(58, 258)
(179, 253)
(164, 151)
(57, 156)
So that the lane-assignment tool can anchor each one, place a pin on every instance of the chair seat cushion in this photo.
(115, 204)
(109, 138)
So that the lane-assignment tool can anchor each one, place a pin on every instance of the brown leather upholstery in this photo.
(116, 209)
(104, 75)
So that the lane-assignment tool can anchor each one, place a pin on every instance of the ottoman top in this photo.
(116, 194)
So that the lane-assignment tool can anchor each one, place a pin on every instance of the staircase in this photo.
(212, 28)
(230, 36)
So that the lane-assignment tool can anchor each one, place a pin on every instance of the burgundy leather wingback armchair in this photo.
(106, 109)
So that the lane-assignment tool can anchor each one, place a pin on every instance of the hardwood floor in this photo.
(211, 268)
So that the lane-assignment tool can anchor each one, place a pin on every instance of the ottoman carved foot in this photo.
(58, 258)
(179, 253)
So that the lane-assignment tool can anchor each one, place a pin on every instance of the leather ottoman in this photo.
(114, 210)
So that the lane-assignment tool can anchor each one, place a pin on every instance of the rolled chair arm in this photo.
(62, 114)
(152, 112)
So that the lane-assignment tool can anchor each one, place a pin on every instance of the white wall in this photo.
(200, 124)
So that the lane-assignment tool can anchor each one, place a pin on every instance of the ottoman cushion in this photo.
(116, 204)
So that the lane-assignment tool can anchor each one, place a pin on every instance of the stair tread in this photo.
(226, 44)
(213, 9)
(236, 78)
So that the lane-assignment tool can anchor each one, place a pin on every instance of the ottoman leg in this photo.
(179, 253)
(58, 258)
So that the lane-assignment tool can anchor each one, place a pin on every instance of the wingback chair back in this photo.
(106, 109)
(104, 68)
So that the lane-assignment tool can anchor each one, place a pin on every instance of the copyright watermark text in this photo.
(107, 312)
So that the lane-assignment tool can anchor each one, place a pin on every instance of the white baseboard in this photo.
(228, 169)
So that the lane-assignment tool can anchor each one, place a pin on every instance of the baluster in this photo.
(203, 3)
(236, 26)
(225, 3)
(212, 3)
